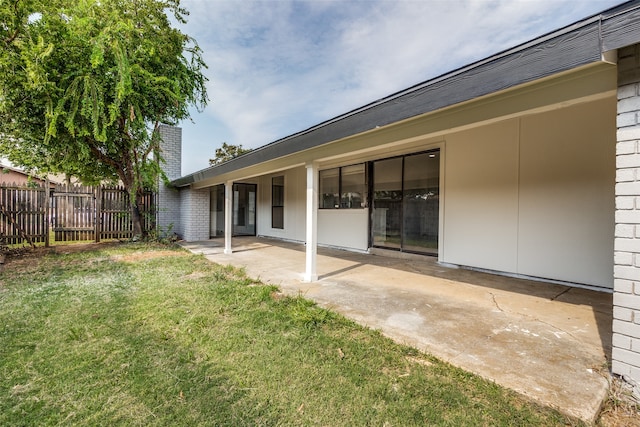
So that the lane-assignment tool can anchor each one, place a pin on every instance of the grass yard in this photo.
(136, 334)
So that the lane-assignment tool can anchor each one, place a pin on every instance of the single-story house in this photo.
(10, 176)
(525, 163)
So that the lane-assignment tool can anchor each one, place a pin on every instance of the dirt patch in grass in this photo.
(419, 361)
(143, 256)
(26, 254)
(195, 275)
(25, 259)
(22, 261)
(72, 248)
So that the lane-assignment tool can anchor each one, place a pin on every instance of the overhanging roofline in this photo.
(578, 44)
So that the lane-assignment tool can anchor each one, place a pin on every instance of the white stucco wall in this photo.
(343, 228)
(566, 203)
(481, 197)
(294, 205)
(533, 195)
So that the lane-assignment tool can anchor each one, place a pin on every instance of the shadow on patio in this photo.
(550, 342)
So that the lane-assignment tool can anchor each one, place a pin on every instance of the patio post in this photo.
(228, 216)
(310, 274)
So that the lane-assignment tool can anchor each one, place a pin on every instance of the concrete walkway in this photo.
(549, 342)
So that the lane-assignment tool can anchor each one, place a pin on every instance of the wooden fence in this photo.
(73, 213)
(23, 214)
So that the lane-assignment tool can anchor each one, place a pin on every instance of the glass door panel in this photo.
(387, 203)
(244, 209)
(216, 219)
(420, 207)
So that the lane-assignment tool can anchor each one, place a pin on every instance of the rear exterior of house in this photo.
(524, 163)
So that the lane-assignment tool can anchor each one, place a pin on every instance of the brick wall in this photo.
(626, 297)
(169, 198)
(194, 212)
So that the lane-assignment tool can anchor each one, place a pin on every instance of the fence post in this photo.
(47, 213)
(98, 211)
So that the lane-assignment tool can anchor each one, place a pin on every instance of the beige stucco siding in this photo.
(534, 195)
(481, 197)
(294, 205)
(344, 228)
(567, 176)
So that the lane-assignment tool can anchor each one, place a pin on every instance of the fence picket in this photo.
(72, 212)
(21, 214)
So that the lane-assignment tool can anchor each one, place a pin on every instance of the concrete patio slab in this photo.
(547, 341)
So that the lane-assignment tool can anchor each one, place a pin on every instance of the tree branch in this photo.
(103, 157)
(12, 37)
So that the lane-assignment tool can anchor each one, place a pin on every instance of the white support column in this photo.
(311, 274)
(228, 216)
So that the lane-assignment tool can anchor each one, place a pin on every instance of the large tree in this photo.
(85, 84)
(227, 152)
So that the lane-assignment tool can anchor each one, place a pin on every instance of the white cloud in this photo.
(279, 66)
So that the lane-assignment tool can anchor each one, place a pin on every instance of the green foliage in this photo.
(227, 152)
(163, 235)
(86, 83)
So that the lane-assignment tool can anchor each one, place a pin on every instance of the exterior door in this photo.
(421, 203)
(216, 212)
(244, 209)
(387, 203)
(405, 203)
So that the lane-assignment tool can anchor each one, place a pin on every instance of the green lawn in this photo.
(135, 334)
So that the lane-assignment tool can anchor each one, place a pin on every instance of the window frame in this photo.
(339, 200)
(277, 205)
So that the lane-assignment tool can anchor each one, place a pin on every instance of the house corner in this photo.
(626, 297)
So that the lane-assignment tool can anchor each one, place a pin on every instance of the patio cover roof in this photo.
(585, 42)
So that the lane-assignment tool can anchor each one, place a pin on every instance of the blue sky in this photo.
(280, 66)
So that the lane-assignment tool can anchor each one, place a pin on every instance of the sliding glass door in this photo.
(387, 203)
(420, 203)
(405, 208)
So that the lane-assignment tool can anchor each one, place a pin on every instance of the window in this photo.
(352, 187)
(277, 202)
(343, 188)
(329, 188)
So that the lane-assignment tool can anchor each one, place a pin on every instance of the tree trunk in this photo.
(137, 215)
(136, 222)
(136, 201)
